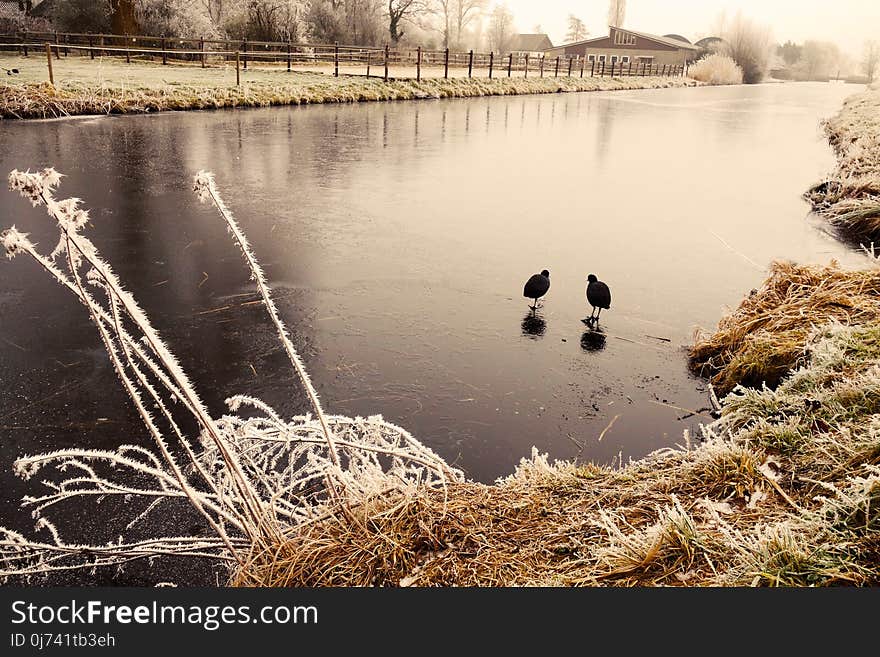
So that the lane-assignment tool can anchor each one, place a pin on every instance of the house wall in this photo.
(662, 54)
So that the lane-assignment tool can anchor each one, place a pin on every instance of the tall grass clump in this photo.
(252, 476)
(766, 336)
(716, 69)
(850, 197)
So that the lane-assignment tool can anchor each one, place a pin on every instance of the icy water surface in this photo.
(397, 238)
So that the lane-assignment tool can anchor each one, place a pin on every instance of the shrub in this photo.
(12, 20)
(717, 69)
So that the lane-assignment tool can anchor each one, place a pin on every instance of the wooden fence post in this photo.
(237, 67)
(164, 54)
(527, 66)
(369, 61)
(556, 75)
(471, 63)
(244, 57)
(510, 66)
(386, 62)
(491, 63)
(202, 48)
(593, 68)
(57, 49)
(91, 47)
(612, 67)
(603, 69)
(336, 59)
(583, 65)
(49, 61)
(446, 64)
(570, 62)
(542, 66)
(419, 64)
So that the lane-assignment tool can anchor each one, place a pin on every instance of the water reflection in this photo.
(534, 325)
(593, 340)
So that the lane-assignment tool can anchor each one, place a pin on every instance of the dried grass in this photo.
(729, 511)
(850, 197)
(765, 337)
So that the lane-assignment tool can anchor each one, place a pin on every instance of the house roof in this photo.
(665, 40)
(677, 37)
(675, 43)
(530, 43)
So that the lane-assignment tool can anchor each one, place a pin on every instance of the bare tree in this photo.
(871, 59)
(356, 22)
(819, 59)
(616, 12)
(577, 30)
(444, 9)
(465, 12)
(749, 45)
(790, 52)
(500, 28)
(400, 11)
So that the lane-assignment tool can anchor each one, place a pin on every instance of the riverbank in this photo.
(850, 197)
(782, 490)
(85, 87)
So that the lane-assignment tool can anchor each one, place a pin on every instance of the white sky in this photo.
(849, 23)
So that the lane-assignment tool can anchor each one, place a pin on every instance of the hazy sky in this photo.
(847, 22)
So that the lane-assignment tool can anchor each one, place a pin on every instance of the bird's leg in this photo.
(597, 316)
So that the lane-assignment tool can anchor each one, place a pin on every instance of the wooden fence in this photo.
(352, 60)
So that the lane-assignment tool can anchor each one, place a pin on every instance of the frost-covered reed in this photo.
(254, 478)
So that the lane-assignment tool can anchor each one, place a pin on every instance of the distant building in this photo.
(624, 47)
(710, 44)
(529, 44)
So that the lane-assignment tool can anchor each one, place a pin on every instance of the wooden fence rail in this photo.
(343, 59)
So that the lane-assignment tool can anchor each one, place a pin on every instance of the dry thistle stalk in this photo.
(255, 479)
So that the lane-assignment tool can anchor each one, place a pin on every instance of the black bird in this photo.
(537, 286)
(598, 296)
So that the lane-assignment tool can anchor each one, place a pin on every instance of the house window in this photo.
(601, 59)
(591, 58)
(625, 59)
(624, 39)
(613, 59)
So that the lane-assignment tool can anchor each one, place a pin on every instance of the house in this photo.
(533, 45)
(625, 47)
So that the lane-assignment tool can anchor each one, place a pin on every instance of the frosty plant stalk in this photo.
(255, 479)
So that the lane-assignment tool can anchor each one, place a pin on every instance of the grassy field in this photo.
(110, 86)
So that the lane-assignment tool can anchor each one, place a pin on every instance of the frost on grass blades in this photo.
(255, 478)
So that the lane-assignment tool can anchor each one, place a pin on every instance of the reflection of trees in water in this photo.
(533, 325)
(604, 123)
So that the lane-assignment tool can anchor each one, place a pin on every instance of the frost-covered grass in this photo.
(763, 339)
(782, 490)
(850, 197)
(109, 86)
(716, 69)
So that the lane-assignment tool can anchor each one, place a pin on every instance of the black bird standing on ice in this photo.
(537, 286)
(598, 295)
